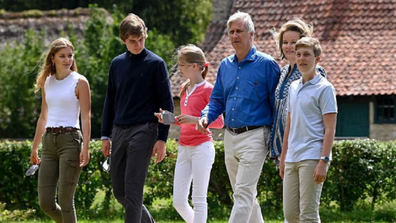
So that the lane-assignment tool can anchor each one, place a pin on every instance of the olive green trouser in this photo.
(59, 170)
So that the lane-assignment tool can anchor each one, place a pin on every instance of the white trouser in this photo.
(301, 195)
(193, 164)
(244, 158)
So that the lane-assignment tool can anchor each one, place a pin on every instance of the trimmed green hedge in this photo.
(361, 170)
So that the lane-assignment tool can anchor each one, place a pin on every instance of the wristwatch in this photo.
(326, 159)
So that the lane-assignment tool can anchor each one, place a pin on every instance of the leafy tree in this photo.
(94, 54)
(184, 20)
(19, 105)
(20, 62)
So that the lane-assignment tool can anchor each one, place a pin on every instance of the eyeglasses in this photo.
(106, 164)
(32, 170)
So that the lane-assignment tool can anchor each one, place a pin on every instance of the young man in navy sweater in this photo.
(138, 86)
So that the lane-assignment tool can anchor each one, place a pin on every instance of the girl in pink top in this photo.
(196, 150)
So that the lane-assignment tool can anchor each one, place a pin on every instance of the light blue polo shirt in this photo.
(307, 103)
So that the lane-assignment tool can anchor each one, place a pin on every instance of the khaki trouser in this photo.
(301, 195)
(59, 169)
(244, 158)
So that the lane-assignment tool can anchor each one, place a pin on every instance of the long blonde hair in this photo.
(192, 54)
(48, 67)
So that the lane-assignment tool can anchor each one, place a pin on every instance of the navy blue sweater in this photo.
(138, 86)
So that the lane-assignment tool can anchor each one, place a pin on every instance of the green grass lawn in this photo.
(120, 221)
(387, 212)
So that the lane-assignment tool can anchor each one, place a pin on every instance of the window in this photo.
(385, 110)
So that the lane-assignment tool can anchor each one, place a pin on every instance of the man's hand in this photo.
(159, 116)
(160, 150)
(106, 147)
(203, 124)
(320, 172)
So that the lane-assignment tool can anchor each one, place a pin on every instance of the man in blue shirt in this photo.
(244, 90)
(138, 87)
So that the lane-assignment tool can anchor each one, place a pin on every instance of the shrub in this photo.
(16, 215)
(386, 212)
(361, 171)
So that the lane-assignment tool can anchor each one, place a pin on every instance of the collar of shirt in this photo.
(245, 90)
(187, 93)
(250, 57)
(313, 81)
(136, 56)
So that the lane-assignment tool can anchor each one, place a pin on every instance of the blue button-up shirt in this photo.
(245, 90)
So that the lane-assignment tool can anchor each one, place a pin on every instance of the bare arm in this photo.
(84, 95)
(285, 145)
(40, 129)
(329, 121)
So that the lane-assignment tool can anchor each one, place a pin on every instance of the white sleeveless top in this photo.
(63, 105)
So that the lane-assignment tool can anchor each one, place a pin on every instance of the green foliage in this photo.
(161, 44)
(361, 169)
(18, 105)
(219, 191)
(386, 212)
(94, 54)
(16, 190)
(32, 13)
(20, 192)
(92, 180)
(16, 215)
(160, 177)
(183, 20)
(20, 63)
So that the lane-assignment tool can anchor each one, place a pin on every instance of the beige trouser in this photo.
(301, 195)
(244, 158)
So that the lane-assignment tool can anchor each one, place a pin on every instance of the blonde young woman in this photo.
(196, 151)
(65, 95)
(286, 39)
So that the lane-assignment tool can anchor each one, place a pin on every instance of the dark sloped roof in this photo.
(358, 39)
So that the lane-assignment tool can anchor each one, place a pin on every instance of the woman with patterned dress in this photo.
(286, 39)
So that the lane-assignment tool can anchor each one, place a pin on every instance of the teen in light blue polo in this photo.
(309, 136)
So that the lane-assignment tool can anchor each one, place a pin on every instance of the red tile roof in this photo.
(358, 39)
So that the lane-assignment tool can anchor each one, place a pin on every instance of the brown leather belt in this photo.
(57, 130)
(242, 129)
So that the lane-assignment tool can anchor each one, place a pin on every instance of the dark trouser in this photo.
(60, 160)
(131, 152)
